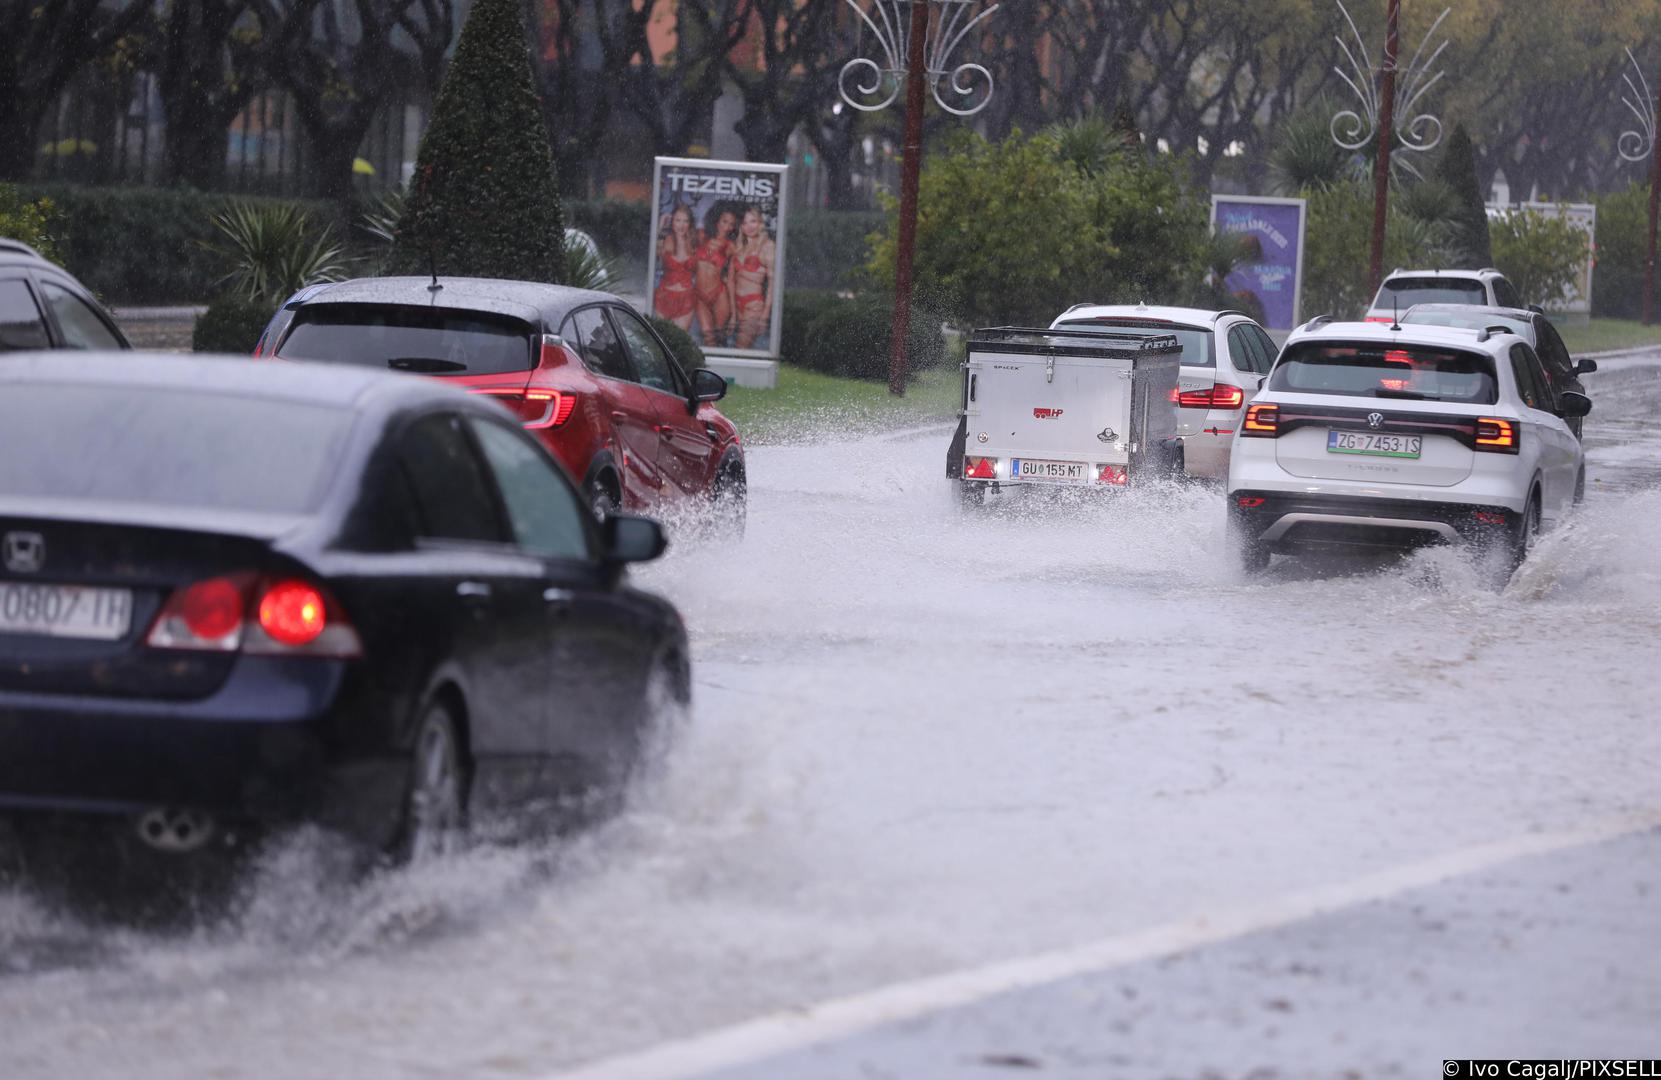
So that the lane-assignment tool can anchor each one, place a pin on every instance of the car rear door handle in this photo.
(473, 590)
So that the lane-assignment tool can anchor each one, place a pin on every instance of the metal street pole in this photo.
(1654, 205)
(910, 167)
(1386, 136)
(915, 51)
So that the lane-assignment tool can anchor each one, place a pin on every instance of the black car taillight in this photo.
(261, 616)
(1495, 436)
(1262, 421)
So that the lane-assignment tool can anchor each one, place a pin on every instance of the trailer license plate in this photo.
(65, 611)
(1054, 472)
(1374, 444)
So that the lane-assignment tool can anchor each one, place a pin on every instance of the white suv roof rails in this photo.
(8, 244)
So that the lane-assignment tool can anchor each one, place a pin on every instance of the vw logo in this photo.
(25, 552)
(1375, 419)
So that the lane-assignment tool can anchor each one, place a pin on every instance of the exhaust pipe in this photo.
(175, 831)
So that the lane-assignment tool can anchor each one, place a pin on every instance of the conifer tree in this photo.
(484, 201)
(1457, 169)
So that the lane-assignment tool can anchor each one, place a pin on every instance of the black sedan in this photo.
(238, 595)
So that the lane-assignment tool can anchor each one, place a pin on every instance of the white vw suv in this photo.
(1224, 356)
(1378, 437)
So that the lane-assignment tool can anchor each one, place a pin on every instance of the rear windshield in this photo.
(1402, 293)
(1196, 343)
(1470, 320)
(421, 340)
(170, 446)
(1376, 371)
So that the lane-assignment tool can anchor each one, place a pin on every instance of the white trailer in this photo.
(1074, 408)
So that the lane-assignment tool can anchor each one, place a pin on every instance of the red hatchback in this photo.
(583, 372)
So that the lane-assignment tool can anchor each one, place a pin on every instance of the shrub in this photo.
(272, 251)
(1457, 169)
(1618, 277)
(1012, 232)
(850, 338)
(1541, 255)
(232, 324)
(828, 249)
(31, 221)
(1305, 158)
(801, 307)
(485, 198)
(1338, 239)
(618, 226)
(680, 343)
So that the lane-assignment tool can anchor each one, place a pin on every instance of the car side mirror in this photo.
(631, 539)
(1571, 404)
(1585, 367)
(707, 386)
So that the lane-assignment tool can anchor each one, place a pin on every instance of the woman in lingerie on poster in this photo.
(673, 297)
(751, 278)
(715, 310)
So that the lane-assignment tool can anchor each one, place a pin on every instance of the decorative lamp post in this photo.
(1384, 103)
(1636, 146)
(917, 39)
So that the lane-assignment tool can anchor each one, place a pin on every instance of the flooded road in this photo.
(924, 740)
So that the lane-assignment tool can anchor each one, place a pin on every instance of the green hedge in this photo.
(680, 343)
(1618, 272)
(849, 338)
(139, 245)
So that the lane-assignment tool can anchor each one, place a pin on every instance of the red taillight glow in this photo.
(1490, 517)
(293, 613)
(205, 615)
(290, 616)
(1380, 319)
(536, 409)
(1116, 475)
(211, 609)
(1250, 502)
(984, 468)
(1262, 420)
(1218, 396)
(1496, 436)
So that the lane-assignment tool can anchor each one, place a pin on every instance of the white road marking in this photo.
(768, 1036)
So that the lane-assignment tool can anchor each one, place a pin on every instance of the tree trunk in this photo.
(19, 137)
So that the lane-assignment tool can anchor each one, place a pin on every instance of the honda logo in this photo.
(1375, 419)
(25, 552)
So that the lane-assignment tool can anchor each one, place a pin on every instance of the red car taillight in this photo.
(1117, 475)
(224, 614)
(1219, 396)
(1262, 421)
(1496, 436)
(1385, 319)
(983, 468)
(536, 408)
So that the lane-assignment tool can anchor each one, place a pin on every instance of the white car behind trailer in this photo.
(1070, 408)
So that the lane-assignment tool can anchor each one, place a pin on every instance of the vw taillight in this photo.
(1262, 421)
(1495, 435)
